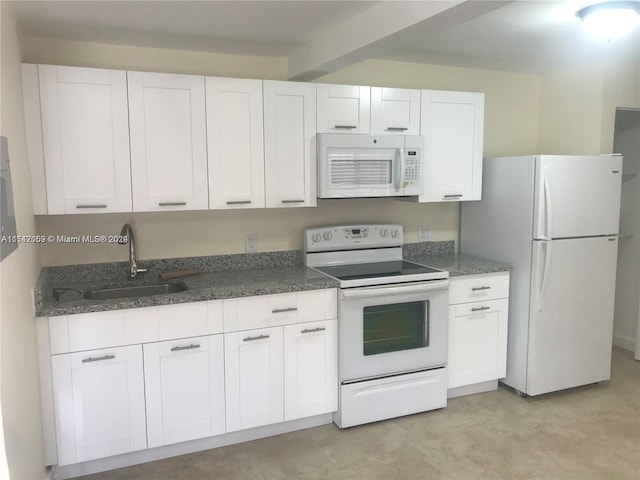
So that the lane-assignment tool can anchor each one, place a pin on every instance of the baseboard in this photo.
(627, 343)
(472, 389)
(167, 451)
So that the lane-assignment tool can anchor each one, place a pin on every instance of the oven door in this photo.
(392, 329)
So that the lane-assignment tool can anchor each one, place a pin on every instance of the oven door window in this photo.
(395, 327)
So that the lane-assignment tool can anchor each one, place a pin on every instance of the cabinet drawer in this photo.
(89, 331)
(477, 288)
(279, 309)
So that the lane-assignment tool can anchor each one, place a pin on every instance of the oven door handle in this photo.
(365, 292)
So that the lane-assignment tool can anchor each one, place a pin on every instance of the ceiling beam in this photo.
(378, 30)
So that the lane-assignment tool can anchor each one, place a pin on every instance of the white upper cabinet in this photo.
(235, 143)
(395, 111)
(168, 142)
(452, 124)
(343, 108)
(289, 144)
(85, 135)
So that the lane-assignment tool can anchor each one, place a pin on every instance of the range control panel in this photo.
(352, 237)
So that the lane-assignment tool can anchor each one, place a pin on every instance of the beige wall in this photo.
(507, 132)
(18, 355)
(86, 54)
(511, 99)
(621, 89)
(577, 107)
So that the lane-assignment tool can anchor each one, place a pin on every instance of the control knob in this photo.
(384, 232)
(328, 235)
(316, 237)
(395, 233)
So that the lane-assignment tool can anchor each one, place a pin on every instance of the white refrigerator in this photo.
(555, 220)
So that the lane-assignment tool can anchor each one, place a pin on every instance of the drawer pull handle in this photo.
(345, 127)
(97, 359)
(292, 201)
(310, 330)
(238, 202)
(259, 337)
(172, 204)
(91, 206)
(475, 289)
(457, 195)
(283, 310)
(479, 309)
(186, 347)
(397, 129)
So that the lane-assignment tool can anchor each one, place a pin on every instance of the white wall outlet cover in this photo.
(251, 242)
(424, 234)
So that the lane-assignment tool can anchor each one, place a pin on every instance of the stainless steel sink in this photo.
(134, 291)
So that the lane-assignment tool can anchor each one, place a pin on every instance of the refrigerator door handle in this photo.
(547, 203)
(545, 272)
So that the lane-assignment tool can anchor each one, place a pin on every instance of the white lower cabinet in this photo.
(99, 403)
(478, 317)
(477, 342)
(253, 378)
(184, 384)
(310, 369)
(127, 380)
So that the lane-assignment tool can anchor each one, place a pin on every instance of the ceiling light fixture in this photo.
(611, 19)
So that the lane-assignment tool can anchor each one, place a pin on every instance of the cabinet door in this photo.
(235, 143)
(85, 134)
(99, 403)
(310, 369)
(253, 378)
(452, 124)
(477, 342)
(395, 111)
(184, 381)
(343, 108)
(289, 144)
(168, 142)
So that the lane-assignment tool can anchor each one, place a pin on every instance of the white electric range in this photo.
(392, 322)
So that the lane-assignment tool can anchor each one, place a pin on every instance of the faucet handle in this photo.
(135, 270)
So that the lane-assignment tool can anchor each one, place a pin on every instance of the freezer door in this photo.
(571, 313)
(576, 196)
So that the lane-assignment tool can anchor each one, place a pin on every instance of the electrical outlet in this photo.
(250, 242)
(424, 234)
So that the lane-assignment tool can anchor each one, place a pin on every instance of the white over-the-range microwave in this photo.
(360, 166)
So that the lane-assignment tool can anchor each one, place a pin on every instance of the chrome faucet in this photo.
(126, 234)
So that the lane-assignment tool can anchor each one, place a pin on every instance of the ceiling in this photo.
(530, 36)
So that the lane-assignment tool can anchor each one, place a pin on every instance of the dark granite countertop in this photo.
(225, 276)
(458, 265)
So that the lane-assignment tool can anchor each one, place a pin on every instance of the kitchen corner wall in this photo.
(578, 105)
(508, 131)
(19, 385)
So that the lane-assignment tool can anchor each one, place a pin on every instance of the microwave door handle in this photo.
(402, 169)
(398, 167)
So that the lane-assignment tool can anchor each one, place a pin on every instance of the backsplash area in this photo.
(221, 232)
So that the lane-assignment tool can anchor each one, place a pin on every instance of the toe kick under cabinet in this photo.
(478, 311)
(124, 380)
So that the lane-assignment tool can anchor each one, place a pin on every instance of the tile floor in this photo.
(586, 433)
